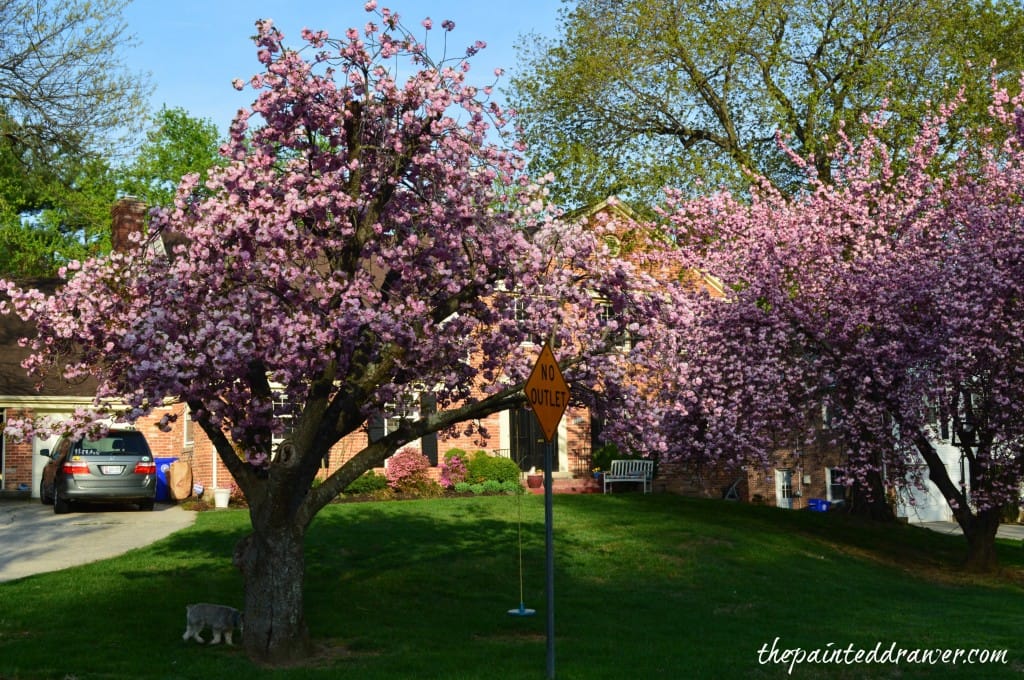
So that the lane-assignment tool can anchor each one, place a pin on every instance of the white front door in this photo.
(784, 489)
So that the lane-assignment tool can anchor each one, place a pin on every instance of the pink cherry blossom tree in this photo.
(365, 243)
(891, 295)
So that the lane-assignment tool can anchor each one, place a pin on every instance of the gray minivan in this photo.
(116, 468)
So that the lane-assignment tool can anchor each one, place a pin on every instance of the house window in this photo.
(283, 412)
(188, 426)
(523, 319)
(619, 336)
(784, 489)
(827, 413)
(834, 480)
(406, 407)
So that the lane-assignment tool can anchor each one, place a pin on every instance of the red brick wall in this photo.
(17, 459)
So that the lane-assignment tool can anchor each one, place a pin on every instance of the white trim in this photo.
(44, 403)
(52, 403)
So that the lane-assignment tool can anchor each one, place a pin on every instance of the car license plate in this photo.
(111, 469)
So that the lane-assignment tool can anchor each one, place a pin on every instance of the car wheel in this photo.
(43, 497)
(146, 504)
(60, 505)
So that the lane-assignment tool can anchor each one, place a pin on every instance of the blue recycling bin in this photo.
(818, 504)
(163, 469)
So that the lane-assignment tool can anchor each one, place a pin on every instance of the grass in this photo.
(646, 587)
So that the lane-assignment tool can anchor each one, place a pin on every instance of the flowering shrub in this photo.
(453, 471)
(407, 470)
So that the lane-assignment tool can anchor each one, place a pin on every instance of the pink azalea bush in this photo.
(453, 471)
(407, 470)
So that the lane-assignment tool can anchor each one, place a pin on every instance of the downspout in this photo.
(3, 449)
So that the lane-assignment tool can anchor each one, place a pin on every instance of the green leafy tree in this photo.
(635, 95)
(69, 106)
(54, 215)
(64, 83)
(175, 146)
(60, 211)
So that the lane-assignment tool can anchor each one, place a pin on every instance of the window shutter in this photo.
(428, 444)
(376, 428)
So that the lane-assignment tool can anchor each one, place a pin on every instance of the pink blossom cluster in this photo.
(892, 295)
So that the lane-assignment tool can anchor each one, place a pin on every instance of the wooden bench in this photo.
(637, 471)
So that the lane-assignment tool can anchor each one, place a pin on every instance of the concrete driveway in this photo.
(1010, 531)
(34, 540)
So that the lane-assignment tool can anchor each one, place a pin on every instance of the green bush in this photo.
(422, 488)
(385, 494)
(513, 488)
(603, 456)
(490, 486)
(367, 483)
(451, 453)
(481, 467)
(493, 486)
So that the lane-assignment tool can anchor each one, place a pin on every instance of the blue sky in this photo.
(193, 49)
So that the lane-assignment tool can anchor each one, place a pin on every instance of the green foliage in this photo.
(51, 216)
(453, 452)
(175, 146)
(603, 456)
(367, 483)
(421, 488)
(638, 94)
(490, 486)
(59, 211)
(481, 467)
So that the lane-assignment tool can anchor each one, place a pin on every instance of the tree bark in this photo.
(867, 499)
(979, 528)
(980, 532)
(272, 562)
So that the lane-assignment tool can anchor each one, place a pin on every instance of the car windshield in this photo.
(115, 443)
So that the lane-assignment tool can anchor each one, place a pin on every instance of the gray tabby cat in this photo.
(220, 618)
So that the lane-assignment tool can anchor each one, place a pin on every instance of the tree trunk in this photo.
(980, 532)
(979, 529)
(867, 499)
(273, 564)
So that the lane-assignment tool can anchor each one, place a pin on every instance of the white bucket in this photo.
(221, 497)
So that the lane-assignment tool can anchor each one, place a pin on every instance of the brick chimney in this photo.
(128, 215)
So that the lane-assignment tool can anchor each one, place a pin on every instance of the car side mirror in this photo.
(45, 452)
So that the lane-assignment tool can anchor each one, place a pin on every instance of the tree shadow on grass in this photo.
(398, 587)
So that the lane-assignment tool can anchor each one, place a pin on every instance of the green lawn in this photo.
(646, 587)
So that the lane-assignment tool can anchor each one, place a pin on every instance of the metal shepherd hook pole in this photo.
(549, 547)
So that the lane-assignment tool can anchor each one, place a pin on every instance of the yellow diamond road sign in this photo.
(547, 392)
